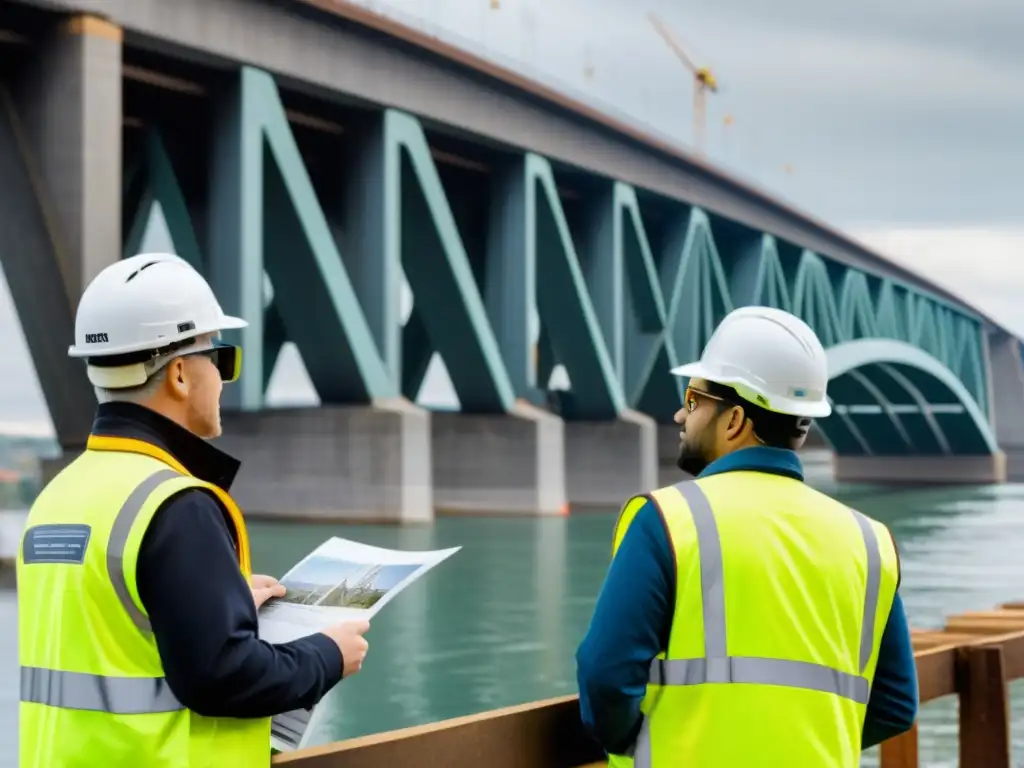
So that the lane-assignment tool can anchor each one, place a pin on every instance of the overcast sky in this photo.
(901, 123)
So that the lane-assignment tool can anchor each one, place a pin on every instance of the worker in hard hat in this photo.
(747, 619)
(137, 609)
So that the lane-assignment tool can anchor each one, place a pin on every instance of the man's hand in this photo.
(264, 588)
(348, 636)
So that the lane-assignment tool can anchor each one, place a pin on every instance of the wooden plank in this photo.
(543, 734)
(984, 715)
(924, 641)
(901, 752)
(1013, 653)
(982, 626)
(936, 673)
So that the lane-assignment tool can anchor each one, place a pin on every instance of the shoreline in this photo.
(12, 522)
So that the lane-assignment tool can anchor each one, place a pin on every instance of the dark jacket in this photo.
(199, 605)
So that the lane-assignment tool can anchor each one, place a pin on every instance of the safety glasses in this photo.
(227, 358)
(691, 398)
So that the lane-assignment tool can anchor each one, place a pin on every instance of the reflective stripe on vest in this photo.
(123, 523)
(718, 667)
(116, 695)
(96, 693)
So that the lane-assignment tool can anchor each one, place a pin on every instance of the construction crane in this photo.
(703, 81)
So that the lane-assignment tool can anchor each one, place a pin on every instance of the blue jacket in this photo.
(633, 615)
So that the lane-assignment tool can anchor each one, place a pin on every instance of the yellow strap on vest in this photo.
(629, 511)
(131, 445)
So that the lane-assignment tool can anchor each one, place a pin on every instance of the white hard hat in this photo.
(146, 304)
(771, 358)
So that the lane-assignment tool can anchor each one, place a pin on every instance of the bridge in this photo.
(334, 153)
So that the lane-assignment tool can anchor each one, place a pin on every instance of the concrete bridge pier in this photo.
(69, 97)
(60, 196)
(1006, 374)
(359, 464)
(367, 464)
(981, 469)
(508, 463)
(606, 462)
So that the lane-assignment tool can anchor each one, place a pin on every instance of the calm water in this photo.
(498, 624)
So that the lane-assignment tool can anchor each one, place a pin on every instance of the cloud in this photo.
(987, 27)
(844, 63)
(904, 112)
(983, 266)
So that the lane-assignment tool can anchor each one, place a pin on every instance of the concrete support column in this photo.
(60, 200)
(1006, 385)
(512, 463)
(608, 461)
(70, 102)
(933, 470)
(345, 463)
(360, 464)
(235, 250)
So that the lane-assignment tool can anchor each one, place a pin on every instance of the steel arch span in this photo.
(891, 398)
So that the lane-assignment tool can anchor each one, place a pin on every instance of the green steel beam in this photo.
(533, 262)
(619, 304)
(924, 408)
(643, 317)
(472, 226)
(839, 303)
(236, 216)
(265, 214)
(370, 234)
(161, 187)
(563, 301)
(417, 351)
(417, 226)
(150, 180)
(697, 297)
(510, 277)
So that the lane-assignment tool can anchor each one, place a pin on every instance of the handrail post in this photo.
(901, 751)
(984, 715)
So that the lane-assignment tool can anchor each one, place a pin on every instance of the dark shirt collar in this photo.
(197, 455)
(775, 461)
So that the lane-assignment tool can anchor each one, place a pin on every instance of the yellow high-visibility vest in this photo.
(93, 691)
(782, 596)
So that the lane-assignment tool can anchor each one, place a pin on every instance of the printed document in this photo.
(339, 581)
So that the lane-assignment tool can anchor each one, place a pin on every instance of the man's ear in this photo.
(737, 418)
(176, 379)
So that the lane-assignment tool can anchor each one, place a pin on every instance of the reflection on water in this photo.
(498, 623)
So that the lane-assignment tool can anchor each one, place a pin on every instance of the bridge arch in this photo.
(890, 398)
